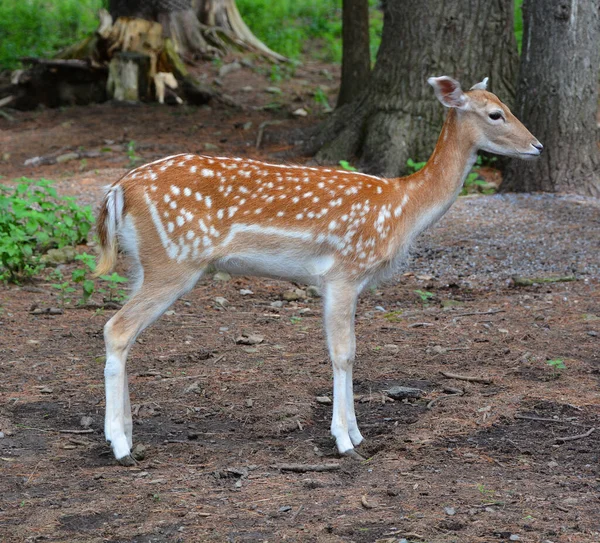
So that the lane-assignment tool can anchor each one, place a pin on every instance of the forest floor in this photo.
(468, 462)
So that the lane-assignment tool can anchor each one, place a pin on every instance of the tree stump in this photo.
(128, 79)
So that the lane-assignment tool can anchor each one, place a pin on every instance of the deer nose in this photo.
(538, 146)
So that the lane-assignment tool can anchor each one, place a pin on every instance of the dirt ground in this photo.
(469, 461)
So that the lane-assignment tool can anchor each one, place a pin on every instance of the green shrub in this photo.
(42, 27)
(33, 219)
(290, 26)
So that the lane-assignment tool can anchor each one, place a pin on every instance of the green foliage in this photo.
(321, 99)
(33, 219)
(518, 23)
(43, 27)
(346, 166)
(424, 295)
(131, 154)
(290, 27)
(413, 166)
(63, 287)
(115, 292)
(556, 365)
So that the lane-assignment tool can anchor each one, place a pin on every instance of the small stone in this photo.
(229, 68)
(293, 295)
(300, 112)
(46, 390)
(221, 276)
(249, 339)
(305, 311)
(592, 333)
(238, 484)
(552, 464)
(86, 421)
(59, 256)
(323, 400)
(246, 292)
(277, 304)
(391, 348)
(247, 88)
(380, 308)
(139, 452)
(194, 387)
(1, 435)
(169, 313)
(273, 90)
(210, 147)
(249, 402)
(223, 302)
(247, 126)
(450, 511)
(285, 508)
(571, 501)
(438, 349)
(400, 393)
(313, 292)
(514, 537)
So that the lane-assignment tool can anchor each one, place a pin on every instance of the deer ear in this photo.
(448, 91)
(480, 86)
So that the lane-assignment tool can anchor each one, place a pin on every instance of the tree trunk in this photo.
(203, 28)
(356, 55)
(558, 97)
(397, 117)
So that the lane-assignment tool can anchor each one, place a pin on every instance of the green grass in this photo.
(42, 27)
(305, 27)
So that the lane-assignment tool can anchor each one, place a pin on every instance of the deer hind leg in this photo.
(144, 307)
(340, 306)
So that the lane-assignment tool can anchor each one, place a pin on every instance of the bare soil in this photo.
(219, 419)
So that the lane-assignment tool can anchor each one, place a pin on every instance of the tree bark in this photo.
(356, 55)
(558, 97)
(397, 117)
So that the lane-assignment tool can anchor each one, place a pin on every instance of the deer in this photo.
(181, 216)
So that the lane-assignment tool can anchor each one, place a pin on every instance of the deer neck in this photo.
(426, 195)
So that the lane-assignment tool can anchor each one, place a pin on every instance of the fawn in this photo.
(181, 215)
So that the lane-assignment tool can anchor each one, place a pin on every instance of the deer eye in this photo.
(495, 115)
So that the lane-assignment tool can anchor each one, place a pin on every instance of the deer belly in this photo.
(281, 265)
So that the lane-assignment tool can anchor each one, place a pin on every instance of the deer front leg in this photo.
(340, 306)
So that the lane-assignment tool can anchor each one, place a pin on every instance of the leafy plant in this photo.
(414, 166)
(80, 276)
(295, 320)
(63, 287)
(115, 292)
(321, 99)
(393, 316)
(133, 158)
(41, 28)
(557, 365)
(424, 295)
(34, 219)
(346, 166)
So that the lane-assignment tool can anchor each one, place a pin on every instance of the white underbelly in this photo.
(282, 265)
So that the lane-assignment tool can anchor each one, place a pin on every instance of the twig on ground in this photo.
(533, 417)
(490, 312)
(573, 438)
(296, 513)
(303, 468)
(32, 473)
(443, 397)
(365, 503)
(420, 324)
(86, 431)
(483, 380)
